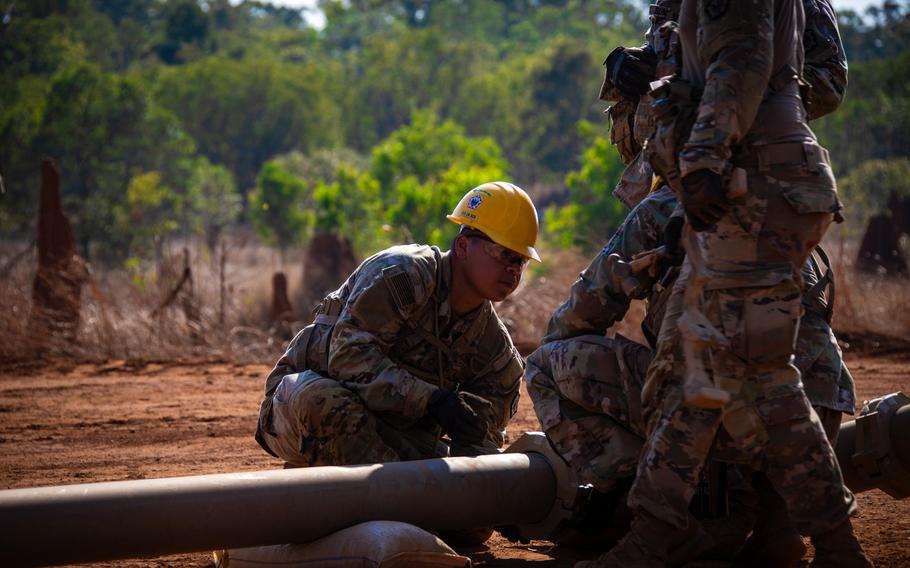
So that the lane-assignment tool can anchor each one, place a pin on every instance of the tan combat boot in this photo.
(645, 546)
(838, 548)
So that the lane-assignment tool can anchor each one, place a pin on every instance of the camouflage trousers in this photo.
(586, 394)
(317, 421)
(751, 295)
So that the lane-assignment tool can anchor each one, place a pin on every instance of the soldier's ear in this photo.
(460, 247)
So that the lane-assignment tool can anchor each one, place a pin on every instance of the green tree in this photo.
(557, 84)
(103, 131)
(277, 207)
(874, 120)
(213, 202)
(184, 24)
(592, 213)
(423, 170)
(869, 187)
(146, 217)
(242, 113)
(350, 207)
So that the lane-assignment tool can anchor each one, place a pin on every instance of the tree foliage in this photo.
(870, 187)
(592, 213)
(275, 206)
(376, 124)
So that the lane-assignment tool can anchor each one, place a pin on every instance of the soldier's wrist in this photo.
(714, 164)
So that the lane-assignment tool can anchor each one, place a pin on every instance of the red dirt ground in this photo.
(64, 423)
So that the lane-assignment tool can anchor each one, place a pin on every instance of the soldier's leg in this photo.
(586, 393)
(316, 421)
(831, 421)
(801, 465)
(775, 540)
(665, 482)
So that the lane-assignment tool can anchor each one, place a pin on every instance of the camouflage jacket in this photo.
(389, 334)
(597, 300)
(748, 57)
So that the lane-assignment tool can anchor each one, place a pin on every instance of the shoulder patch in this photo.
(400, 286)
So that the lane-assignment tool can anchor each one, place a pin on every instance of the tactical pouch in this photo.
(635, 182)
(675, 109)
(622, 117)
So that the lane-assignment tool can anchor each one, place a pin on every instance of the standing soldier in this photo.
(409, 348)
(759, 192)
(586, 387)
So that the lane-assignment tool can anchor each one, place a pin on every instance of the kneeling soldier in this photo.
(409, 348)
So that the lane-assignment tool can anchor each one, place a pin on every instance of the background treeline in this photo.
(178, 118)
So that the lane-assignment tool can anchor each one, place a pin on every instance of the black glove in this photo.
(631, 70)
(460, 414)
(673, 238)
(704, 198)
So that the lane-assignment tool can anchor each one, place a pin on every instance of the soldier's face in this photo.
(493, 270)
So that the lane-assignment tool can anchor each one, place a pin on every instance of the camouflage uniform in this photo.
(749, 116)
(353, 386)
(586, 388)
(825, 71)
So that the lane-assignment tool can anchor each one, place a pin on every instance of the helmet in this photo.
(503, 212)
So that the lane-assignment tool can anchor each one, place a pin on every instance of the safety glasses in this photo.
(500, 253)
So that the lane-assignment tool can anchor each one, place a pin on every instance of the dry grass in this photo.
(123, 316)
(866, 303)
(119, 319)
(544, 288)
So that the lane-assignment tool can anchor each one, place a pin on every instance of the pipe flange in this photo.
(881, 425)
(567, 488)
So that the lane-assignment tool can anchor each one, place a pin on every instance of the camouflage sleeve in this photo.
(500, 385)
(825, 67)
(365, 332)
(736, 39)
(597, 300)
(293, 361)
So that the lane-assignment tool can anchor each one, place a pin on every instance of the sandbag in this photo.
(374, 544)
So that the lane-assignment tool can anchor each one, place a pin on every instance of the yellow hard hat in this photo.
(503, 212)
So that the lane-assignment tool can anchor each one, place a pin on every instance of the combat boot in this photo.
(839, 548)
(782, 549)
(644, 546)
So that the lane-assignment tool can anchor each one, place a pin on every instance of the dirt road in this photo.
(78, 423)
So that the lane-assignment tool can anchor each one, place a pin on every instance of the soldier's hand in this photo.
(631, 70)
(704, 199)
(455, 413)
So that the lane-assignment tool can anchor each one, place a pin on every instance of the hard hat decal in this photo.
(504, 213)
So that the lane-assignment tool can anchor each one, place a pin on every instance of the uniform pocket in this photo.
(771, 317)
(792, 407)
(805, 191)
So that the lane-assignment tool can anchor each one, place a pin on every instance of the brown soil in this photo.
(63, 422)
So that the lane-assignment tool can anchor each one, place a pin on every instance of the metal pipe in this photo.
(105, 521)
(874, 450)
